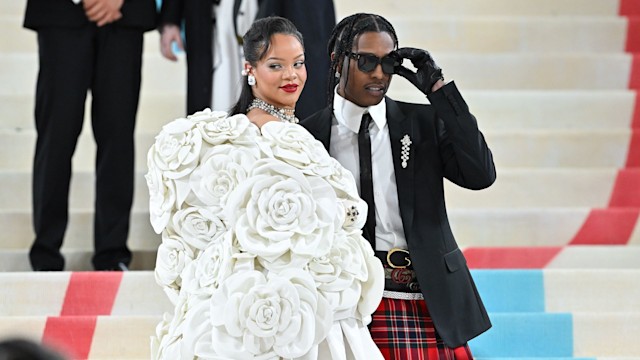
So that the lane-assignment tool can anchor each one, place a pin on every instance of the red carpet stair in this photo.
(554, 244)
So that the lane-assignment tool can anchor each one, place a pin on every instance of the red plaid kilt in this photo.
(403, 330)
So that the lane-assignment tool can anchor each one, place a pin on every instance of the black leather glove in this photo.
(427, 74)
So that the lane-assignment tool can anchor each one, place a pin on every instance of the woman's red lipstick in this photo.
(290, 88)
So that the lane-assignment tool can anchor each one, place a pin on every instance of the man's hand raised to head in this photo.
(428, 76)
(103, 12)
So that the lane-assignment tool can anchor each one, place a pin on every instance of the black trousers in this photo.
(106, 61)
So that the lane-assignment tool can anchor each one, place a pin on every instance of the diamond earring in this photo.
(251, 80)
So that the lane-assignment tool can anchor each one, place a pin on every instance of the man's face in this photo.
(366, 88)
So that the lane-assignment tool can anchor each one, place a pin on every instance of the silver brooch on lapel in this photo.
(406, 146)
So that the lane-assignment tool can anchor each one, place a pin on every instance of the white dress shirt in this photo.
(344, 148)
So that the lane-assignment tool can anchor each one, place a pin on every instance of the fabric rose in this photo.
(339, 274)
(212, 267)
(171, 260)
(352, 214)
(374, 286)
(162, 198)
(207, 115)
(282, 216)
(197, 226)
(176, 150)
(221, 169)
(342, 182)
(168, 342)
(294, 145)
(236, 129)
(280, 315)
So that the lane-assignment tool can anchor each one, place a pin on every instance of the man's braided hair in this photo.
(343, 36)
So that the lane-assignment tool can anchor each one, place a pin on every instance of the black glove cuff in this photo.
(435, 76)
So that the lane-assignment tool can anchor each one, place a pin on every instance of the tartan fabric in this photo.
(403, 330)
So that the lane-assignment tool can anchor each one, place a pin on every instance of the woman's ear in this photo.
(247, 68)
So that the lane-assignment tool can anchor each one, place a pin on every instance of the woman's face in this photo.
(281, 73)
(366, 88)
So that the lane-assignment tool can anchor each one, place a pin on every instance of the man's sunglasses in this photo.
(368, 62)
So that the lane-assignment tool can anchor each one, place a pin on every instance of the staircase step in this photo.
(470, 34)
(495, 109)
(559, 290)
(530, 148)
(514, 188)
(79, 233)
(159, 76)
(565, 257)
(503, 291)
(434, 8)
(75, 259)
(481, 227)
(114, 337)
(513, 335)
(472, 227)
(43, 294)
(517, 335)
(522, 34)
(471, 71)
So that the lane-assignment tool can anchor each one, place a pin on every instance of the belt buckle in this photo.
(392, 265)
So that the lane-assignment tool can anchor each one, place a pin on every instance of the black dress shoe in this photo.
(119, 267)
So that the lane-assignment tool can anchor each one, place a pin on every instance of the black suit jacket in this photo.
(64, 13)
(446, 143)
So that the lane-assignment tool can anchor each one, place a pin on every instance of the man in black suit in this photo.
(411, 148)
(86, 45)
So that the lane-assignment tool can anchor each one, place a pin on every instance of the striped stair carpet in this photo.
(536, 313)
(554, 245)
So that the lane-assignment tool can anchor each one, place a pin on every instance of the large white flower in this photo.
(176, 150)
(374, 286)
(168, 342)
(342, 181)
(352, 214)
(340, 274)
(282, 216)
(294, 145)
(220, 171)
(237, 129)
(162, 198)
(197, 226)
(260, 316)
(212, 267)
(207, 115)
(172, 258)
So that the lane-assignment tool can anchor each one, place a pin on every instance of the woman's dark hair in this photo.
(256, 43)
(343, 36)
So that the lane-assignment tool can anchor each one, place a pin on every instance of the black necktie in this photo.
(366, 181)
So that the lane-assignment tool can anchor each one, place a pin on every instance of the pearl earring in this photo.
(337, 75)
(251, 80)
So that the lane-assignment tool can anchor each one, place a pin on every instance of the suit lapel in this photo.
(322, 126)
(399, 126)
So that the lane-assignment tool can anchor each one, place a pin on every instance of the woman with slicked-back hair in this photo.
(262, 251)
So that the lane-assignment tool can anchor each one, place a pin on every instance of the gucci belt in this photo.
(398, 272)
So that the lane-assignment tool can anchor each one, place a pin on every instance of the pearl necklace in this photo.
(285, 115)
